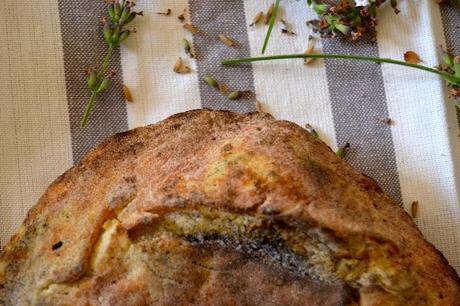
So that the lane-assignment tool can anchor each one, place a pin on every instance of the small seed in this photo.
(127, 94)
(191, 28)
(310, 50)
(167, 13)
(257, 18)
(227, 40)
(211, 81)
(414, 209)
(234, 95)
(223, 88)
(269, 14)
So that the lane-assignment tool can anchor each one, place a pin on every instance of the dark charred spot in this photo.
(57, 245)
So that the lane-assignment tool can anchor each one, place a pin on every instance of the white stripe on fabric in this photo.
(148, 58)
(421, 138)
(290, 90)
(34, 125)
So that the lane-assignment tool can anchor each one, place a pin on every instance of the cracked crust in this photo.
(211, 207)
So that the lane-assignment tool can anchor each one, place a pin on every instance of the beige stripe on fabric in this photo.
(34, 127)
(290, 90)
(417, 104)
(148, 58)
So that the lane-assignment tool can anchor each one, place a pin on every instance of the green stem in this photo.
(89, 109)
(270, 26)
(106, 62)
(444, 74)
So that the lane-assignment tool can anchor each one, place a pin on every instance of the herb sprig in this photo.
(115, 32)
(449, 70)
(347, 17)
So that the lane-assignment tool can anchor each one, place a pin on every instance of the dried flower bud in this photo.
(257, 18)
(387, 121)
(211, 81)
(178, 65)
(414, 209)
(227, 40)
(127, 93)
(310, 50)
(191, 28)
(412, 57)
(269, 14)
(234, 95)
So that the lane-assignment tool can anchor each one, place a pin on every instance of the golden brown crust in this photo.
(103, 230)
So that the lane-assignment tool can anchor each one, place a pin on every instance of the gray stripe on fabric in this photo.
(214, 17)
(84, 46)
(358, 103)
(451, 24)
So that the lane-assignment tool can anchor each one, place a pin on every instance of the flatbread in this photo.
(217, 208)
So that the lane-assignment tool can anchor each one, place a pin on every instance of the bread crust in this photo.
(120, 227)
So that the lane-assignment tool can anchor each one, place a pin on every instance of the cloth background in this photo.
(45, 45)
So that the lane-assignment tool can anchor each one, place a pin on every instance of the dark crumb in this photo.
(57, 245)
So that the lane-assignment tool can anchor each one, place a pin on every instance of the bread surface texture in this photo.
(218, 208)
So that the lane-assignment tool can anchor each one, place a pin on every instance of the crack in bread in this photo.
(216, 208)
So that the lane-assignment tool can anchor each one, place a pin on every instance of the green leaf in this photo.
(271, 24)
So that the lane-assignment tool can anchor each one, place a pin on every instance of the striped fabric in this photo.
(47, 44)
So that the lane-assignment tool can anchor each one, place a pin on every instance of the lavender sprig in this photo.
(115, 32)
(350, 18)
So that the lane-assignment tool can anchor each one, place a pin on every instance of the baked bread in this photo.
(217, 208)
